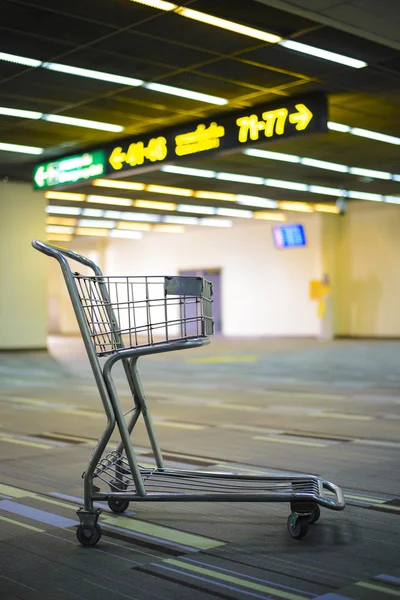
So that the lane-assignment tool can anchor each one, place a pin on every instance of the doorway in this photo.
(214, 276)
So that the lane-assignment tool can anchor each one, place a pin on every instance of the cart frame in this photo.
(120, 469)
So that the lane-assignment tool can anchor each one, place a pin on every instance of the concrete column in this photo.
(23, 311)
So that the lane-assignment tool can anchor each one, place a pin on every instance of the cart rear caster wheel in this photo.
(297, 525)
(117, 505)
(315, 514)
(88, 536)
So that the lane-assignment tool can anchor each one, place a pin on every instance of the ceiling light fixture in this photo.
(240, 178)
(20, 60)
(91, 232)
(229, 25)
(371, 173)
(181, 220)
(154, 205)
(163, 189)
(114, 201)
(183, 93)
(323, 164)
(287, 185)
(327, 208)
(134, 226)
(272, 155)
(20, 149)
(160, 4)
(233, 212)
(133, 216)
(121, 185)
(63, 210)
(269, 216)
(65, 196)
(23, 114)
(192, 208)
(100, 75)
(128, 235)
(215, 222)
(373, 135)
(102, 223)
(324, 54)
(256, 201)
(59, 229)
(188, 171)
(164, 228)
(92, 212)
(98, 125)
(59, 237)
(296, 206)
(61, 221)
(215, 195)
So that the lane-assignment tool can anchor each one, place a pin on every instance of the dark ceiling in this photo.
(129, 39)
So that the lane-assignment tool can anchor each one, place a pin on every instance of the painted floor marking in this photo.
(22, 524)
(35, 514)
(378, 588)
(290, 441)
(8, 439)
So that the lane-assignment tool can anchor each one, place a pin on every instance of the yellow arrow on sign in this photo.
(302, 117)
(117, 158)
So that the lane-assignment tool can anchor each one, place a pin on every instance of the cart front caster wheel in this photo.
(297, 525)
(315, 514)
(88, 536)
(117, 505)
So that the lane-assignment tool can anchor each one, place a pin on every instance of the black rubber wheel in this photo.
(88, 536)
(118, 506)
(297, 525)
(315, 514)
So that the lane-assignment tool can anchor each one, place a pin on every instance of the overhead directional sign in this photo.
(70, 169)
(268, 122)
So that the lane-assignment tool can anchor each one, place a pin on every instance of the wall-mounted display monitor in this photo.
(289, 236)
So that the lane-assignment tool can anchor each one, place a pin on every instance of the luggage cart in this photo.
(122, 319)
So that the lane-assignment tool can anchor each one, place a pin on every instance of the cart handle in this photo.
(58, 252)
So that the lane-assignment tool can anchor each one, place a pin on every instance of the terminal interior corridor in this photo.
(297, 406)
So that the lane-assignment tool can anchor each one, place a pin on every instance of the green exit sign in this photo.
(69, 170)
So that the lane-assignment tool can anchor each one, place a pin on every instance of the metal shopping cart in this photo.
(122, 319)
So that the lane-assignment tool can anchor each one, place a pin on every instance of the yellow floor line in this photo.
(244, 583)
(222, 359)
(365, 499)
(327, 415)
(179, 425)
(295, 442)
(10, 440)
(224, 405)
(164, 533)
(378, 588)
(22, 524)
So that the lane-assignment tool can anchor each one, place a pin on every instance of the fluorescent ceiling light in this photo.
(91, 232)
(370, 173)
(215, 195)
(323, 164)
(163, 189)
(215, 223)
(132, 216)
(364, 196)
(112, 214)
(192, 208)
(392, 199)
(339, 127)
(269, 216)
(272, 155)
(97, 223)
(59, 229)
(98, 125)
(59, 237)
(63, 210)
(327, 208)
(160, 4)
(23, 114)
(164, 228)
(114, 201)
(134, 226)
(229, 25)
(129, 235)
(240, 178)
(325, 191)
(182, 93)
(100, 75)
(325, 54)
(61, 221)
(19, 148)
(121, 185)
(232, 212)
(181, 220)
(20, 60)
(65, 196)
(296, 206)
(375, 135)
(188, 171)
(287, 185)
(154, 205)
(256, 201)
(92, 212)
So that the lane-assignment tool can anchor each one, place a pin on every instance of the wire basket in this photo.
(129, 312)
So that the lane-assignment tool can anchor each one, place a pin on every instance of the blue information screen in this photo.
(289, 236)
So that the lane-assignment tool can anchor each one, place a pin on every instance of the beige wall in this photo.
(23, 318)
(368, 250)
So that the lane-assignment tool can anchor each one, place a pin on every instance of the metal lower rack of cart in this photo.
(122, 319)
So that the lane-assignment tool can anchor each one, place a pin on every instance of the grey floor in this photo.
(331, 409)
